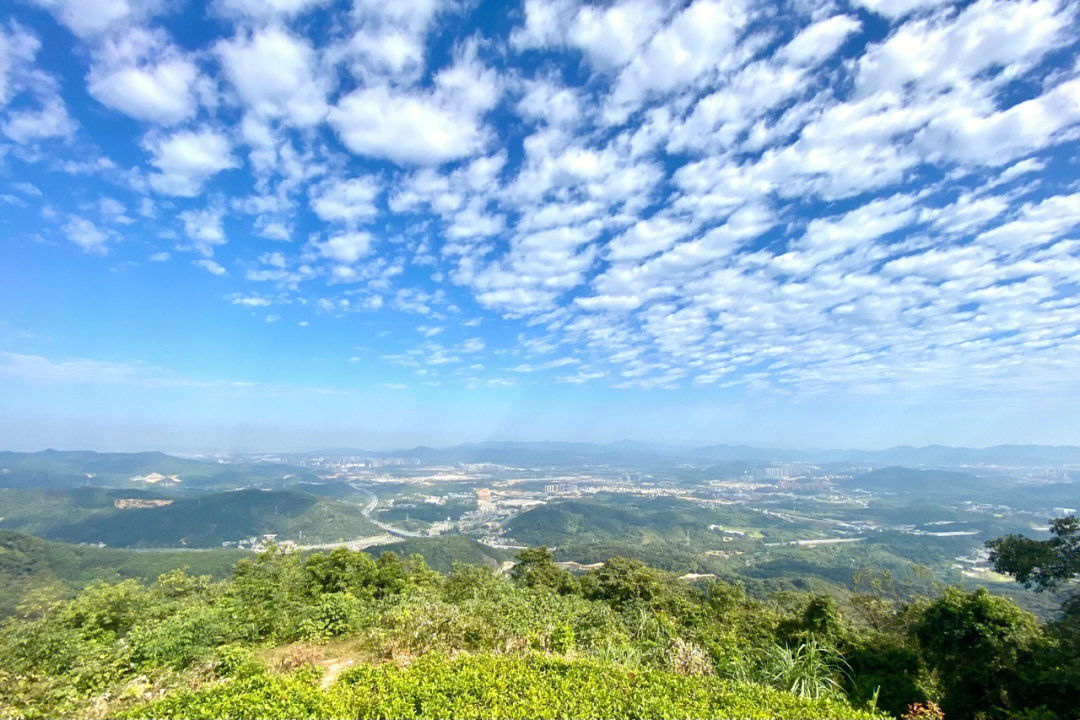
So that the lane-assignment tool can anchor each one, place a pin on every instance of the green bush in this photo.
(332, 615)
(489, 686)
(628, 640)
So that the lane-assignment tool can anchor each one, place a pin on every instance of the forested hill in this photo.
(34, 568)
(342, 635)
(62, 469)
(210, 520)
(902, 479)
(152, 519)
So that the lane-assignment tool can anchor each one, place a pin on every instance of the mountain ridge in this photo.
(558, 452)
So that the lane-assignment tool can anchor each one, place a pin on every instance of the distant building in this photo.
(1064, 511)
(483, 494)
(480, 467)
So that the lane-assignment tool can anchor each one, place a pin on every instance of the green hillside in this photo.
(210, 520)
(39, 510)
(922, 482)
(441, 553)
(60, 469)
(610, 518)
(31, 568)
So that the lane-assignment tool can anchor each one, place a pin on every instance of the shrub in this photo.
(806, 671)
(490, 686)
(333, 614)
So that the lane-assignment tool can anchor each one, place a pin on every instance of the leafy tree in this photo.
(884, 669)
(392, 576)
(820, 621)
(342, 570)
(1042, 564)
(536, 568)
(621, 580)
(472, 582)
(975, 642)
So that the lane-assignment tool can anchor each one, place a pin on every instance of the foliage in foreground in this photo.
(531, 686)
(625, 640)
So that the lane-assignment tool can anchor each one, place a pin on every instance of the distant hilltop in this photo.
(538, 453)
(161, 469)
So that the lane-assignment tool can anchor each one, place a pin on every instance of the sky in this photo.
(294, 224)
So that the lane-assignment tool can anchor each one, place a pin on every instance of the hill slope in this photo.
(441, 553)
(209, 520)
(30, 565)
(74, 468)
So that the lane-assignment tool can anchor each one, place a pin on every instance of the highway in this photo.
(370, 507)
(358, 544)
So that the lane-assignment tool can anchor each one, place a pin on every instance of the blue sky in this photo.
(294, 224)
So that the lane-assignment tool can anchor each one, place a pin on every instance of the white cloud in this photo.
(86, 235)
(898, 8)
(389, 38)
(997, 138)
(703, 192)
(142, 74)
(91, 17)
(18, 47)
(1037, 223)
(819, 40)
(548, 101)
(421, 127)
(1021, 168)
(699, 39)
(346, 248)
(647, 237)
(38, 369)
(187, 159)
(472, 345)
(610, 36)
(250, 301)
(548, 365)
(267, 9)
(212, 267)
(50, 121)
(276, 74)
(347, 201)
(545, 23)
(406, 127)
(204, 229)
(950, 50)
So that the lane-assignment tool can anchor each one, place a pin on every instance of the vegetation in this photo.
(343, 634)
(443, 552)
(64, 469)
(33, 570)
(89, 515)
(525, 686)
(1042, 564)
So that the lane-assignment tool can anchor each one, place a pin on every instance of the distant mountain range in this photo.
(47, 467)
(71, 468)
(560, 453)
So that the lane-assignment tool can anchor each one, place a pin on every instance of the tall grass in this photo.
(808, 670)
